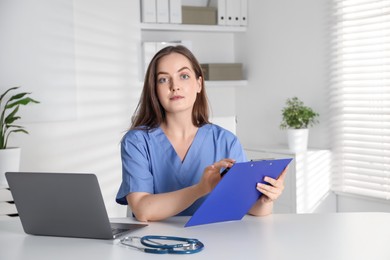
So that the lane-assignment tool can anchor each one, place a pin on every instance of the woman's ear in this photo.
(199, 84)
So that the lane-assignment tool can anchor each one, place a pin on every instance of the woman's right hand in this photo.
(212, 175)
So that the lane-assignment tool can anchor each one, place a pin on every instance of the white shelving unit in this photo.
(190, 27)
(177, 29)
(210, 44)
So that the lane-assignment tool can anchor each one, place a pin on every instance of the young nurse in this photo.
(172, 155)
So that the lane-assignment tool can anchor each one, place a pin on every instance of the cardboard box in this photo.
(222, 71)
(199, 15)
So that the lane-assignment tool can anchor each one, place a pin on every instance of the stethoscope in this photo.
(185, 245)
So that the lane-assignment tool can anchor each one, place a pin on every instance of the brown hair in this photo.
(149, 112)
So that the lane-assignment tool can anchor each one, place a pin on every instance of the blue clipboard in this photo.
(236, 193)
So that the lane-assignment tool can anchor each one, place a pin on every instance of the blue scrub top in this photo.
(150, 163)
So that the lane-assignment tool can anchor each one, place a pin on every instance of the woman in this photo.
(172, 156)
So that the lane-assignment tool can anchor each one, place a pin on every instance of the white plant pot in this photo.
(9, 162)
(297, 139)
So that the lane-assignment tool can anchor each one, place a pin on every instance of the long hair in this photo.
(149, 113)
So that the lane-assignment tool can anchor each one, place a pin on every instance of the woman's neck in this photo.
(181, 134)
(179, 127)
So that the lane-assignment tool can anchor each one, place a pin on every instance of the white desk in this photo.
(337, 236)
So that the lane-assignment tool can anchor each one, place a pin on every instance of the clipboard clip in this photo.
(262, 159)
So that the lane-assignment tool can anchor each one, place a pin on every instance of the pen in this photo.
(224, 172)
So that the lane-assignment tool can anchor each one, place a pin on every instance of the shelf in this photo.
(5, 195)
(190, 27)
(7, 208)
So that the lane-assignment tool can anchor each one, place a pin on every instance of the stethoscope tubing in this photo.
(190, 245)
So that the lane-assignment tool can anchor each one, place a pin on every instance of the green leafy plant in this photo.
(295, 115)
(9, 114)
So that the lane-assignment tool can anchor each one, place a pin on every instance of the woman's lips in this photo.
(176, 97)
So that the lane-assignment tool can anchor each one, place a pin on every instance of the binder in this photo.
(148, 11)
(236, 193)
(233, 12)
(175, 11)
(162, 11)
(220, 5)
(221, 12)
(244, 13)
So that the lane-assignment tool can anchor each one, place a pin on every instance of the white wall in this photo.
(106, 46)
(354, 203)
(284, 49)
(37, 52)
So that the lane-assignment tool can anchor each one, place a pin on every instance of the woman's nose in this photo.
(174, 85)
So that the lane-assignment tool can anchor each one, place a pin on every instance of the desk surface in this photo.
(343, 236)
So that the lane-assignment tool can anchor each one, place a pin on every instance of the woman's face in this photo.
(177, 85)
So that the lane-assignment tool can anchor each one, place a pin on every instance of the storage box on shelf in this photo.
(199, 15)
(222, 71)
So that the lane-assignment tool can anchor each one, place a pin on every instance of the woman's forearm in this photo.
(154, 207)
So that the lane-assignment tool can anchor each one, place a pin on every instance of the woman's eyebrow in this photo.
(162, 72)
(179, 70)
(184, 68)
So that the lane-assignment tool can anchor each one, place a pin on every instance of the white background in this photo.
(284, 52)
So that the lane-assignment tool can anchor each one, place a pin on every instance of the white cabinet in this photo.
(307, 181)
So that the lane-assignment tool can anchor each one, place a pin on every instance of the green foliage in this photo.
(9, 114)
(296, 115)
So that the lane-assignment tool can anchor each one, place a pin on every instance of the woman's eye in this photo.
(185, 76)
(162, 80)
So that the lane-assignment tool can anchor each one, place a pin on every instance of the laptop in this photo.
(63, 204)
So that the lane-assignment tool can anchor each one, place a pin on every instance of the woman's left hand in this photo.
(273, 190)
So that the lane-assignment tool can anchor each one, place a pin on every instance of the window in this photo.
(360, 96)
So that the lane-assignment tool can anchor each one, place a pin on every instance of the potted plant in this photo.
(297, 118)
(9, 107)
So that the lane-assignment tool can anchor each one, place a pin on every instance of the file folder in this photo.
(244, 13)
(233, 12)
(236, 193)
(221, 12)
(175, 11)
(148, 11)
(162, 7)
